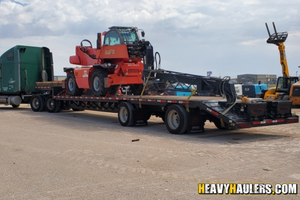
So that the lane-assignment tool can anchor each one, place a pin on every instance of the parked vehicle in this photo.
(20, 68)
(253, 90)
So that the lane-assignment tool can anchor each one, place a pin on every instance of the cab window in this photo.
(296, 91)
(112, 38)
(128, 36)
(280, 83)
(10, 56)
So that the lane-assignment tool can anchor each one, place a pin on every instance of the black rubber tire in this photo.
(176, 119)
(136, 89)
(125, 114)
(97, 83)
(71, 85)
(52, 105)
(37, 103)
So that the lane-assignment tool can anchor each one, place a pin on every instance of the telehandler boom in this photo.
(284, 86)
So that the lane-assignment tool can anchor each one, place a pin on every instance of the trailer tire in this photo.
(176, 119)
(125, 114)
(97, 83)
(52, 105)
(72, 87)
(37, 103)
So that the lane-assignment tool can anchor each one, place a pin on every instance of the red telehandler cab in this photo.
(117, 62)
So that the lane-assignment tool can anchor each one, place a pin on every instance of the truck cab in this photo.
(20, 68)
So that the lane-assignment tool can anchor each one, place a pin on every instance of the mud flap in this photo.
(196, 123)
(139, 117)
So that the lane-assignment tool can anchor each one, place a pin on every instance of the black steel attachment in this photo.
(276, 37)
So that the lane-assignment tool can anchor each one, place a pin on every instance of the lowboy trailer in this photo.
(181, 114)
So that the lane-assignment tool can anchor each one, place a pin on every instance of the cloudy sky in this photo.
(227, 37)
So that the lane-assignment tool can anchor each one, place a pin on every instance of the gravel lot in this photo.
(88, 155)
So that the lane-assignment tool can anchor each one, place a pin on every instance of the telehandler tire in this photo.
(71, 85)
(97, 83)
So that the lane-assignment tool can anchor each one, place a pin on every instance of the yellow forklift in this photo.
(287, 87)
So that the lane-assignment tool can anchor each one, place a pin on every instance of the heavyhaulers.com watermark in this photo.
(248, 188)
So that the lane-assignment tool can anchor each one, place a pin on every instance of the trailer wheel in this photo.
(125, 114)
(37, 103)
(72, 87)
(52, 105)
(97, 83)
(176, 119)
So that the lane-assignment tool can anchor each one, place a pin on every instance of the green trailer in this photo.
(20, 68)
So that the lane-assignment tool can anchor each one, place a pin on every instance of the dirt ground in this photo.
(88, 155)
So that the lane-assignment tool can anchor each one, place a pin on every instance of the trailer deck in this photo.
(180, 113)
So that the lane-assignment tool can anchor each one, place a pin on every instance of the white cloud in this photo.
(252, 42)
(226, 37)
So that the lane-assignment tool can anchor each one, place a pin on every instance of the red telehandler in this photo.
(117, 62)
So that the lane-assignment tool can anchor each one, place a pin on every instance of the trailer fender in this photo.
(68, 69)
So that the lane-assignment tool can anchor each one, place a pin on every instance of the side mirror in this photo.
(143, 34)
